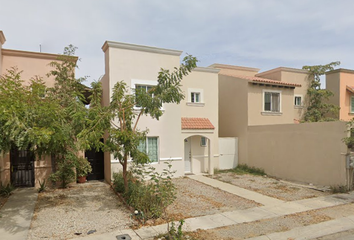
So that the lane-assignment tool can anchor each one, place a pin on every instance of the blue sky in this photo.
(263, 34)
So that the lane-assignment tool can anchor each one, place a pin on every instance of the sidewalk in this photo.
(272, 208)
(16, 214)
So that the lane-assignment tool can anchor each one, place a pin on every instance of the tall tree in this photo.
(51, 120)
(124, 135)
(318, 108)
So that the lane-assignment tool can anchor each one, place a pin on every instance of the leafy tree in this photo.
(51, 121)
(318, 108)
(27, 119)
(124, 135)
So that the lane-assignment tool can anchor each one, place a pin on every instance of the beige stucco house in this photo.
(187, 133)
(249, 98)
(341, 83)
(21, 167)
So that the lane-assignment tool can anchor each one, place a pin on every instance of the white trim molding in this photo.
(141, 48)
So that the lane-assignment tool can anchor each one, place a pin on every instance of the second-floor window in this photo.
(298, 101)
(195, 97)
(138, 88)
(271, 101)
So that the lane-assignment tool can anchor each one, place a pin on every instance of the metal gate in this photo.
(22, 168)
(228, 151)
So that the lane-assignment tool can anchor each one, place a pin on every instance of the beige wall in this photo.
(233, 111)
(256, 116)
(31, 64)
(333, 84)
(308, 152)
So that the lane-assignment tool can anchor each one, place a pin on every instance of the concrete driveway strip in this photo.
(16, 214)
(251, 195)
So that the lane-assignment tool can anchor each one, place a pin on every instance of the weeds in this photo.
(339, 189)
(243, 169)
(6, 191)
(42, 186)
(148, 191)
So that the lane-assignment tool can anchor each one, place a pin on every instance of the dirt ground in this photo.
(278, 224)
(198, 199)
(73, 212)
(270, 186)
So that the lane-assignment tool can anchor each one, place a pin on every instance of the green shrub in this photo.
(42, 186)
(243, 169)
(148, 191)
(339, 189)
(83, 167)
(65, 173)
(6, 191)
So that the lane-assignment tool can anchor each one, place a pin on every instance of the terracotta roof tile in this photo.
(350, 89)
(264, 80)
(196, 123)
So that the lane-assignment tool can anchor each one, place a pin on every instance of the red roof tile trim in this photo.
(350, 89)
(196, 123)
(264, 80)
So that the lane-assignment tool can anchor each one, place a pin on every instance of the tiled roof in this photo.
(350, 89)
(264, 80)
(196, 123)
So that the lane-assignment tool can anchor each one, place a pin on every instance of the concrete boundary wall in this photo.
(308, 152)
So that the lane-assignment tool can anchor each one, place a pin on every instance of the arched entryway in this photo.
(197, 158)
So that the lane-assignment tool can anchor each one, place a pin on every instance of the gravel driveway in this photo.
(198, 199)
(73, 212)
(269, 186)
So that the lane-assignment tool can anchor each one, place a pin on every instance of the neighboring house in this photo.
(341, 83)
(20, 166)
(187, 133)
(248, 98)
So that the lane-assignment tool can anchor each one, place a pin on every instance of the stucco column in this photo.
(210, 158)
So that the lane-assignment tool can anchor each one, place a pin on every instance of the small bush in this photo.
(339, 189)
(244, 169)
(42, 186)
(65, 173)
(6, 191)
(148, 192)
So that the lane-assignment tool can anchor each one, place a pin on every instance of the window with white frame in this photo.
(271, 101)
(150, 147)
(195, 97)
(144, 88)
(352, 104)
(298, 100)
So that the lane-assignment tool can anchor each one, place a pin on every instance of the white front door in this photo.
(187, 156)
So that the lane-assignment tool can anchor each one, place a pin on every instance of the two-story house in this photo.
(187, 133)
(20, 166)
(341, 83)
(249, 98)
